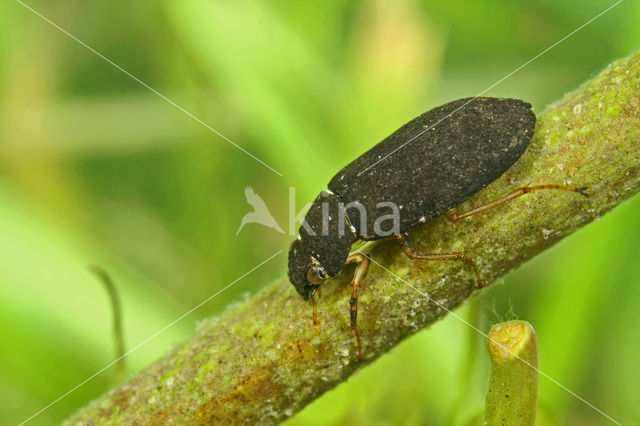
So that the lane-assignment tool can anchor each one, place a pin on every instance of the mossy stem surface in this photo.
(263, 359)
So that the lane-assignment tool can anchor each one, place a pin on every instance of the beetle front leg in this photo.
(314, 300)
(362, 267)
(409, 250)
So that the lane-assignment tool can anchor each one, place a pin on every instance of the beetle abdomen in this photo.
(441, 167)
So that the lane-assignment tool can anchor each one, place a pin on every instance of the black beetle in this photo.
(427, 167)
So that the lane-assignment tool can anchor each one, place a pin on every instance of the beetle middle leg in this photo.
(454, 217)
(408, 249)
(362, 267)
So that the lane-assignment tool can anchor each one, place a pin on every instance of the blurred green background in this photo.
(95, 169)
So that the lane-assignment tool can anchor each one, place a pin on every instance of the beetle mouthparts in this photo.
(309, 290)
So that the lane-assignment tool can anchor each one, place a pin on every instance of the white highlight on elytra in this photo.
(496, 83)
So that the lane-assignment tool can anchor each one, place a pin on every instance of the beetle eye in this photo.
(316, 274)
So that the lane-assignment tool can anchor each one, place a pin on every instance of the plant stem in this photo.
(263, 360)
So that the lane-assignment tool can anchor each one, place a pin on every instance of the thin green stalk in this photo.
(118, 334)
(512, 395)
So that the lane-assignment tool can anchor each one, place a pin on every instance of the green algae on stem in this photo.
(222, 374)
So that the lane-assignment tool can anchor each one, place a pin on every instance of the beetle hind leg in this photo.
(408, 249)
(454, 217)
(362, 267)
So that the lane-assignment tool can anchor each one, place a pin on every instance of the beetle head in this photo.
(322, 246)
(305, 272)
